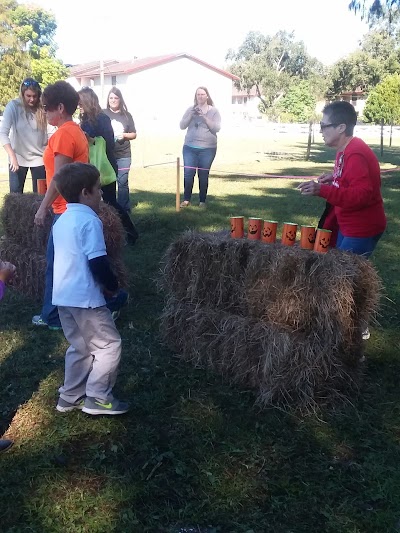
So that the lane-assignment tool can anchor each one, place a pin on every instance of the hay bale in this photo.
(114, 232)
(284, 320)
(284, 368)
(31, 267)
(18, 215)
(206, 268)
(24, 243)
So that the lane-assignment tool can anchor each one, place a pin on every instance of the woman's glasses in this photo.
(31, 83)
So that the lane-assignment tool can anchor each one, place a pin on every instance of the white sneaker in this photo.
(366, 334)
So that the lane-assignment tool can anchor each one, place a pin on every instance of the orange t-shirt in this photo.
(68, 140)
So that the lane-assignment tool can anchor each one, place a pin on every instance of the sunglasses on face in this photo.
(324, 126)
(47, 107)
(31, 83)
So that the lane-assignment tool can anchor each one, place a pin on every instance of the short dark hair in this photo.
(72, 178)
(61, 92)
(341, 112)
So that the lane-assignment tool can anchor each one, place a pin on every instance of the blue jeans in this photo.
(49, 311)
(17, 179)
(358, 245)
(198, 158)
(124, 165)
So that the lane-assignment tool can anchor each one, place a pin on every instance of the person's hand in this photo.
(7, 271)
(109, 294)
(14, 166)
(120, 137)
(325, 179)
(40, 216)
(309, 188)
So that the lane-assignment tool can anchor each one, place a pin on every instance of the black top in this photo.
(121, 123)
(102, 128)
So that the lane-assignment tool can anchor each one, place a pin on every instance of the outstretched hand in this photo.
(309, 188)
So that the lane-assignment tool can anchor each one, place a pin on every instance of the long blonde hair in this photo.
(33, 85)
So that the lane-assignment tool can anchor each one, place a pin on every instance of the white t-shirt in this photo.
(78, 237)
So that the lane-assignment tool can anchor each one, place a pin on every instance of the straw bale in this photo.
(114, 233)
(281, 319)
(285, 368)
(18, 215)
(31, 266)
(206, 268)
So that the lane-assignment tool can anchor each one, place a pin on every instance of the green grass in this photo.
(194, 451)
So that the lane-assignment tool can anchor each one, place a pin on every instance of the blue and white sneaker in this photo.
(97, 407)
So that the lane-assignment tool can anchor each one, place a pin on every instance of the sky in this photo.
(207, 29)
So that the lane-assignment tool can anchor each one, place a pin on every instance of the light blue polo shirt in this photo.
(78, 237)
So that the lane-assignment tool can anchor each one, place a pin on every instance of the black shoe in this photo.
(5, 445)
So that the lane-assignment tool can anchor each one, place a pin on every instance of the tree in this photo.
(271, 64)
(383, 102)
(14, 63)
(27, 48)
(374, 10)
(298, 104)
(365, 68)
(47, 69)
(35, 27)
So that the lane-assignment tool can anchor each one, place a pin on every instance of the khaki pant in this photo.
(91, 362)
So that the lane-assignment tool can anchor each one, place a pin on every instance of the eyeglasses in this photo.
(324, 126)
(46, 107)
(31, 83)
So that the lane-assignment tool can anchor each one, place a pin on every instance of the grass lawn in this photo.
(194, 454)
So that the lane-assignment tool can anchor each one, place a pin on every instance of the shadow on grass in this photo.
(29, 363)
(194, 451)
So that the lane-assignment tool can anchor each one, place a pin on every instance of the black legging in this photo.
(110, 198)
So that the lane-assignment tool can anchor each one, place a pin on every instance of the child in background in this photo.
(82, 277)
(7, 271)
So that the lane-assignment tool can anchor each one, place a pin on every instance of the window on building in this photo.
(113, 80)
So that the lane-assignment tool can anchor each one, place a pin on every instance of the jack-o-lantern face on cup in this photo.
(269, 231)
(254, 229)
(289, 233)
(307, 237)
(237, 227)
(322, 240)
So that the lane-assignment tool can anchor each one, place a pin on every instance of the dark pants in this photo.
(110, 198)
(49, 311)
(199, 159)
(17, 179)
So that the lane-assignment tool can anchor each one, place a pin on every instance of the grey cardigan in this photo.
(19, 129)
(198, 134)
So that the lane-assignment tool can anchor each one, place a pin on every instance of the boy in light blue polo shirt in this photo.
(82, 277)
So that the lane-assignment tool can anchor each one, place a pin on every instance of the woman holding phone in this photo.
(203, 122)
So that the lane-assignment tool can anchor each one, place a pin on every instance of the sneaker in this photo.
(96, 407)
(37, 320)
(5, 444)
(202, 205)
(185, 203)
(64, 407)
(366, 334)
